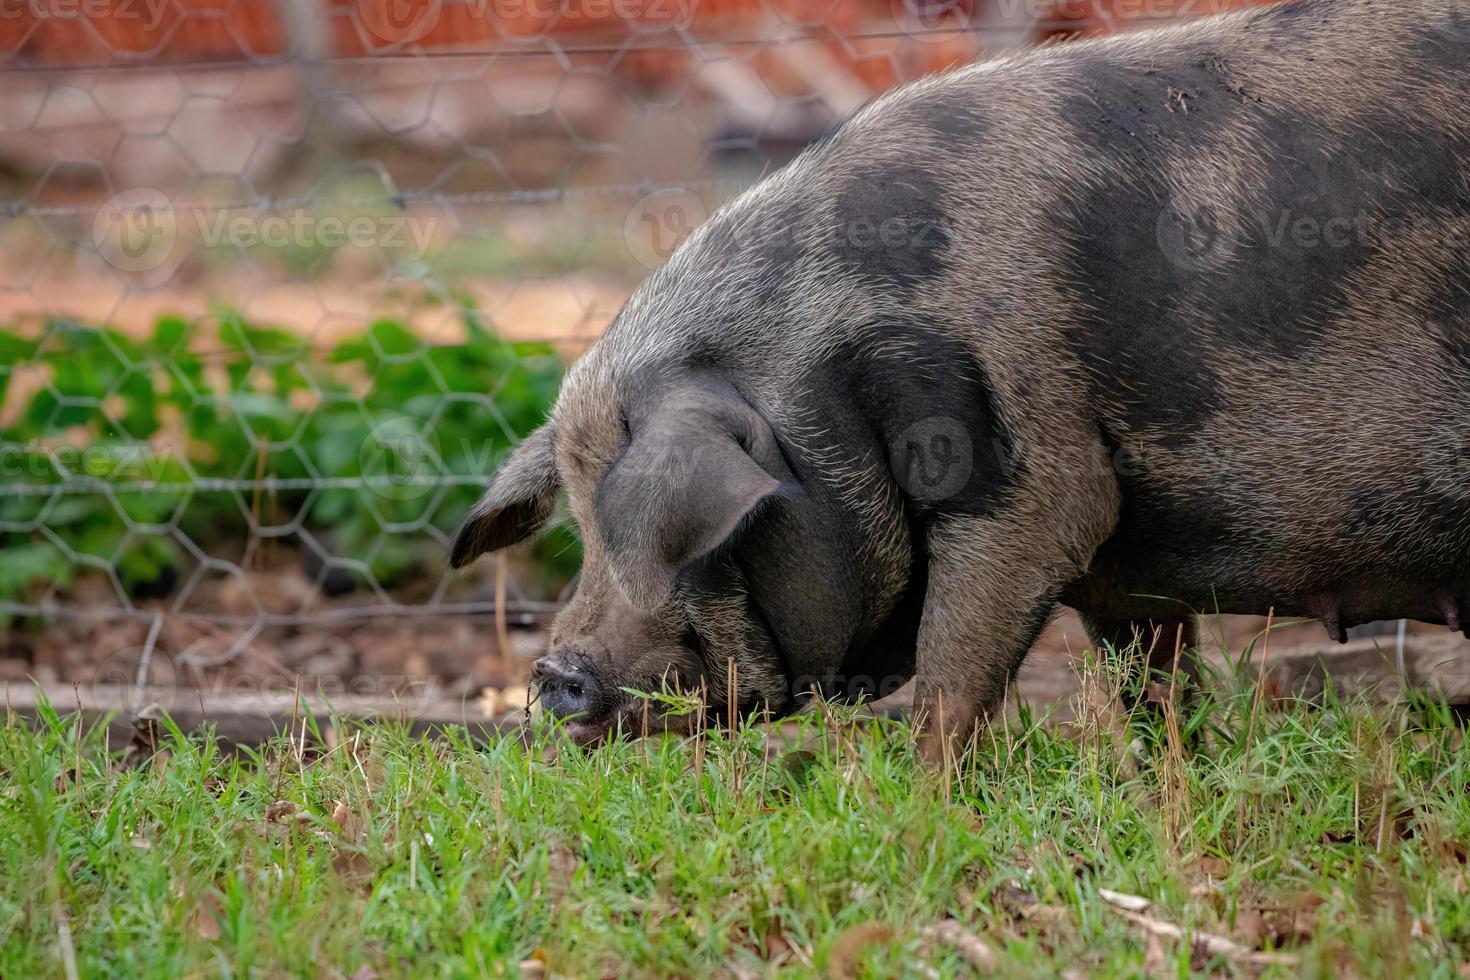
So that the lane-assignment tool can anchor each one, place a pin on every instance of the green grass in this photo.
(1336, 834)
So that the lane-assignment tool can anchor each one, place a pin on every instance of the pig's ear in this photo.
(520, 499)
(683, 486)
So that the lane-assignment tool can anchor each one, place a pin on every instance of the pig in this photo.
(1162, 324)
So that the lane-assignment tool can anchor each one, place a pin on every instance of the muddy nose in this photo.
(564, 690)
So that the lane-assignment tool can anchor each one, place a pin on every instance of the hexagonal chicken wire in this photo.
(280, 284)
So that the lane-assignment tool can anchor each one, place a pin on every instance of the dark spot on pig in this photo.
(918, 401)
(1326, 224)
(770, 246)
(957, 121)
(1445, 46)
(890, 226)
(1152, 377)
(1172, 539)
(1146, 364)
(1153, 307)
(1125, 110)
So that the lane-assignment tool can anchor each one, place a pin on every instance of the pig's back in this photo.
(1243, 249)
(1271, 278)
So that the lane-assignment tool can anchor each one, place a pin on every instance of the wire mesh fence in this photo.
(280, 284)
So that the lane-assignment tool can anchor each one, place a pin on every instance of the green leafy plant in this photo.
(132, 457)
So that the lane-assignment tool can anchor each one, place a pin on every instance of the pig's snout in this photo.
(564, 690)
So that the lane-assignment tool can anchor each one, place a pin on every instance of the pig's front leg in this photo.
(993, 583)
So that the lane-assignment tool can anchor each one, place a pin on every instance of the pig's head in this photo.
(705, 556)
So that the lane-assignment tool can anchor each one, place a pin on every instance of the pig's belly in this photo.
(1167, 558)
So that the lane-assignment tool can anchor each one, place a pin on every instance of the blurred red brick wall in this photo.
(634, 32)
(102, 32)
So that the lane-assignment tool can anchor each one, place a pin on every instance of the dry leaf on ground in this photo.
(206, 917)
(354, 870)
(1208, 865)
(848, 948)
(1123, 900)
(974, 950)
(534, 966)
(1208, 943)
(282, 810)
(1154, 960)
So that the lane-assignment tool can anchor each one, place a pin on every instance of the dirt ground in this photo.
(568, 312)
(352, 646)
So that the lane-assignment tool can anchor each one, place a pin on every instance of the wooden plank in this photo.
(1434, 664)
(244, 719)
